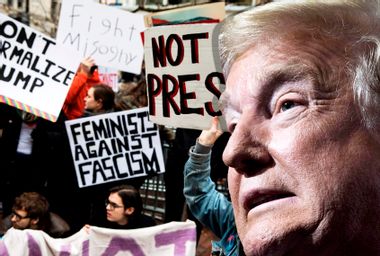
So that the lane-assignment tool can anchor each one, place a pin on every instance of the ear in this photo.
(100, 103)
(35, 221)
(129, 211)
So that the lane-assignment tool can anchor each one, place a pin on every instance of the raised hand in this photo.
(208, 137)
(86, 64)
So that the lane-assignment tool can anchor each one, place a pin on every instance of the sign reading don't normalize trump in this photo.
(33, 69)
(115, 146)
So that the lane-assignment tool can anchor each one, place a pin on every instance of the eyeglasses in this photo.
(18, 217)
(112, 205)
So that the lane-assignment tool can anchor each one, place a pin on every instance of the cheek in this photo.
(297, 146)
(281, 144)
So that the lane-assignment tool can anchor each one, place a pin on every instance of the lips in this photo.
(258, 198)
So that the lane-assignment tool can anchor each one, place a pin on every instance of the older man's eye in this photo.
(288, 105)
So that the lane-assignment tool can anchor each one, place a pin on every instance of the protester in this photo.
(20, 169)
(209, 206)
(31, 211)
(132, 95)
(301, 103)
(124, 209)
(36, 156)
(100, 99)
(87, 76)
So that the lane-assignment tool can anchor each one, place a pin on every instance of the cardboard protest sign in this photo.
(33, 68)
(115, 146)
(183, 75)
(170, 239)
(210, 11)
(109, 35)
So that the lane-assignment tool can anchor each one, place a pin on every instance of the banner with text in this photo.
(111, 36)
(115, 146)
(183, 74)
(174, 238)
(33, 68)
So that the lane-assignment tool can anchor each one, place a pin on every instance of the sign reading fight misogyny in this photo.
(170, 239)
(33, 68)
(115, 146)
(183, 74)
(111, 36)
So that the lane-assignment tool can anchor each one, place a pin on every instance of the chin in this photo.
(279, 235)
(264, 245)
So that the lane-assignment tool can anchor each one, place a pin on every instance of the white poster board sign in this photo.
(115, 146)
(110, 77)
(183, 75)
(33, 68)
(109, 35)
(170, 239)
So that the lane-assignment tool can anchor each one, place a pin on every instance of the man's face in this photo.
(21, 220)
(302, 169)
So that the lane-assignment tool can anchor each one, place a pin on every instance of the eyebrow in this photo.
(285, 73)
(270, 81)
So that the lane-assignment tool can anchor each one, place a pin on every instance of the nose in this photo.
(246, 150)
(13, 218)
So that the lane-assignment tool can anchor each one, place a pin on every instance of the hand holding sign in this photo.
(87, 66)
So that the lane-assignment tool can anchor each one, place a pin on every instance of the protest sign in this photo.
(109, 35)
(183, 74)
(110, 77)
(114, 146)
(33, 68)
(170, 239)
(194, 13)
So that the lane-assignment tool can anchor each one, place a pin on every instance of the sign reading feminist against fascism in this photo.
(115, 146)
(183, 74)
(33, 68)
(170, 239)
(111, 36)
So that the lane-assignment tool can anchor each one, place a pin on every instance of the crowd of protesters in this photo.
(37, 158)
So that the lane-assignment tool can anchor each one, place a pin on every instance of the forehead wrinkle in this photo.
(276, 64)
(322, 57)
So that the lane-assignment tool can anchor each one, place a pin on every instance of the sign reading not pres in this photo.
(183, 74)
